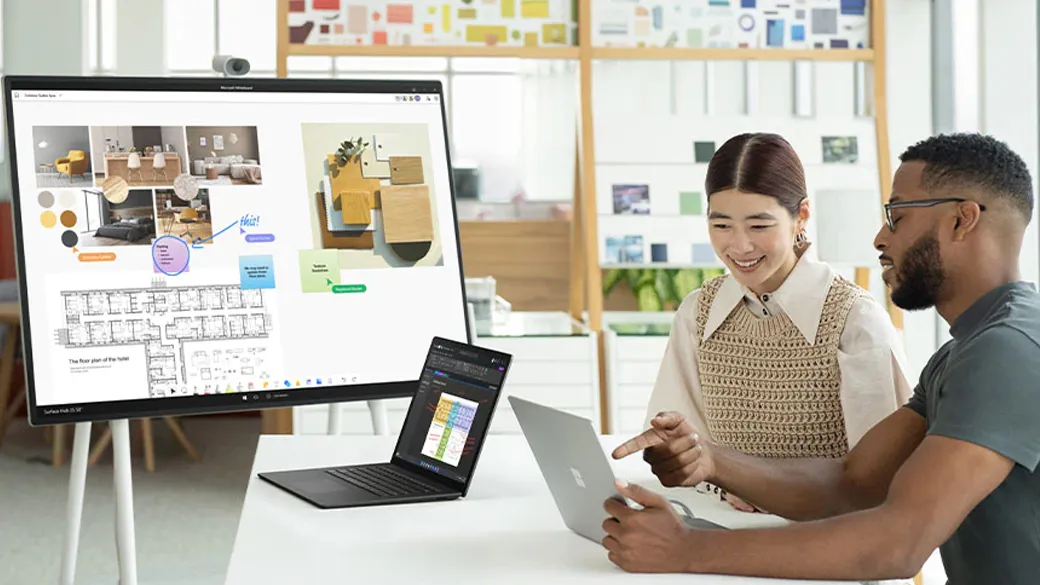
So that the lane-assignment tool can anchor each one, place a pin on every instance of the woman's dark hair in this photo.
(760, 163)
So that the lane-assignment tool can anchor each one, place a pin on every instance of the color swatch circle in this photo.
(68, 218)
(48, 219)
(69, 238)
(46, 198)
(67, 198)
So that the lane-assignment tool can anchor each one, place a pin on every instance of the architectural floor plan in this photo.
(196, 339)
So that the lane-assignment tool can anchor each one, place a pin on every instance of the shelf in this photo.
(546, 52)
(696, 54)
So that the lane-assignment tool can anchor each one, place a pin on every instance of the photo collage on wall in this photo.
(657, 209)
(448, 22)
(804, 24)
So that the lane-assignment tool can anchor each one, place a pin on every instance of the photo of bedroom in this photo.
(143, 156)
(127, 219)
(224, 155)
(60, 154)
(188, 220)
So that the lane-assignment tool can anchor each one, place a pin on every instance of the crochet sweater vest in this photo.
(766, 391)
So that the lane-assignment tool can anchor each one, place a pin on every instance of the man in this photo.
(956, 468)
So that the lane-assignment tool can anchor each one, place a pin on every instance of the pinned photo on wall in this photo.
(840, 149)
(631, 199)
(624, 250)
(659, 252)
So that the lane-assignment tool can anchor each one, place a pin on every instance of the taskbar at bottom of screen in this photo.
(51, 414)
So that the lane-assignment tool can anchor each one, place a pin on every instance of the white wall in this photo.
(174, 136)
(1008, 94)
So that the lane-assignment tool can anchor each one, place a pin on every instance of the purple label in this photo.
(259, 238)
(170, 255)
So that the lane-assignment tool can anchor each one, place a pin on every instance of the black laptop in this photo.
(439, 443)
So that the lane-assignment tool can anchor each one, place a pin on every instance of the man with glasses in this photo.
(955, 469)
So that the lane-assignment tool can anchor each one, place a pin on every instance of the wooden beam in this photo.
(577, 255)
(282, 44)
(539, 52)
(880, 87)
(698, 54)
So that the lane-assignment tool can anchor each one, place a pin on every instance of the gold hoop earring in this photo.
(801, 240)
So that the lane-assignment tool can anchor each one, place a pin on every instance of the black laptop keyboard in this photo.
(382, 480)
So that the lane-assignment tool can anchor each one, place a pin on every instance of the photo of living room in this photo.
(188, 220)
(224, 155)
(61, 156)
(143, 156)
(124, 218)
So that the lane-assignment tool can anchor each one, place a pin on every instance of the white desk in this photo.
(506, 531)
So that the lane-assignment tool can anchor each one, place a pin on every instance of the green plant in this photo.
(658, 289)
(349, 149)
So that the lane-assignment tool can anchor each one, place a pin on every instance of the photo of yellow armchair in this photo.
(75, 163)
(62, 157)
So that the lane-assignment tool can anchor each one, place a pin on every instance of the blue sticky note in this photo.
(775, 33)
(256, 271)
(839, 44)
(747, 3)
(658, 14)
(797, 32)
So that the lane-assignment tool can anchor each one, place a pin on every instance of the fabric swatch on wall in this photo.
(658, 252)
(357, 19)
(703, 151)
(690, 203)
(824, 21)
(399, 14)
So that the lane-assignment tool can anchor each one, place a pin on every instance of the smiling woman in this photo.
(782, 357)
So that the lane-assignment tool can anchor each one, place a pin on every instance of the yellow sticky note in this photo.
(467, 13)
(554, 34)
(489, 35)
(508, 8)
(446, 17)
(428, 28)
(534, 8)
(531, 39)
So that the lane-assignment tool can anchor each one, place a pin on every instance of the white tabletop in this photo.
(506, 531)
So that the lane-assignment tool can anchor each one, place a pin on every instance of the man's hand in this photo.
(676, 454)
(651, 540)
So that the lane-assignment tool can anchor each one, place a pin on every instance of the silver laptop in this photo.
(573, 463)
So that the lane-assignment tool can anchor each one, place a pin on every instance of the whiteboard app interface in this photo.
(253, 244)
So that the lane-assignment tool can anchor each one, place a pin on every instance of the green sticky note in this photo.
(694, 38)
(690, 203)
(319, 270)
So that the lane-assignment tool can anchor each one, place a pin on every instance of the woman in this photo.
(783, 357)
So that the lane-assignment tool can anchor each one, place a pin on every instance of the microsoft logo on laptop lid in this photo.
(577, 477)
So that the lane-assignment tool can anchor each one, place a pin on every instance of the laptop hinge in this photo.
(426, 473)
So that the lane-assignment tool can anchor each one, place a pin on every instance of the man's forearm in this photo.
(859, 546)
(798, 489)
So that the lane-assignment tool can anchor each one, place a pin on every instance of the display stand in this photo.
(126, 550)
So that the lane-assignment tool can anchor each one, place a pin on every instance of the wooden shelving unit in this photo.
(586, 274)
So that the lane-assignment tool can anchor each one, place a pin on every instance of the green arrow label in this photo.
(349, 288)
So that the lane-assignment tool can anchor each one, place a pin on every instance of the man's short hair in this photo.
(970, 160)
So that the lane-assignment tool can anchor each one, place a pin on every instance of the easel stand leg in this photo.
(125, 538)
(74, 514)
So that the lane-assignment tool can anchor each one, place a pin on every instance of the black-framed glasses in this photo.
(922, 203)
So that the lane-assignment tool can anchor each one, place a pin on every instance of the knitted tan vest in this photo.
(766, 391)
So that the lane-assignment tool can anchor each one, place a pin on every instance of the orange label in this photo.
(97, 257)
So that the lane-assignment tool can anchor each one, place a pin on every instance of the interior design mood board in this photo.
(793, 24)
(429, 22)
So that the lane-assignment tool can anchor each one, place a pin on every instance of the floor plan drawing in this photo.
(196, 339)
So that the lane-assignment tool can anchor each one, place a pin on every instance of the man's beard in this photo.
(921, 275)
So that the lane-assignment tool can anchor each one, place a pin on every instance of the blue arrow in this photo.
(195, 244)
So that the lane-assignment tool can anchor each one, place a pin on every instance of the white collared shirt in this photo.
(870, 356)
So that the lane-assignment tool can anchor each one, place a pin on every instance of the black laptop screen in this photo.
(451, 410)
